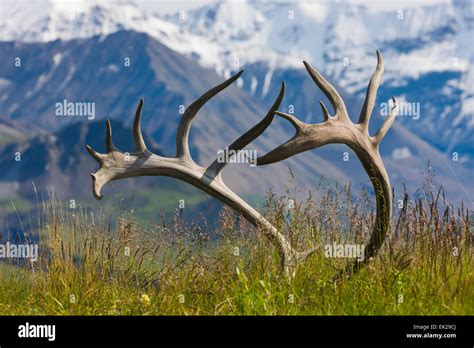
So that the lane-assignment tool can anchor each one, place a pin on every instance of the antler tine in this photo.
(329, 91)
(325, 111)
(97, 156)
(216, 167)
(182, 146)
(297, 124)
(285, 150)
(109, 144)
(371, 94)
(137, 132)
(386, 124)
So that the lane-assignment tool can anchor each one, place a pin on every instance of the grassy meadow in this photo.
(90, 266)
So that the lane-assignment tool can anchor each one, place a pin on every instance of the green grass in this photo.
(424, 268)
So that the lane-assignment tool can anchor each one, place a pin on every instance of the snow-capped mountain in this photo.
(428, 47)
(49, 20)
(428, 52)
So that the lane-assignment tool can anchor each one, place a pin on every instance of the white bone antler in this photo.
(340, 129)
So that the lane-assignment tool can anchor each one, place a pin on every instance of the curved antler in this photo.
(340, 129)
(115, 165)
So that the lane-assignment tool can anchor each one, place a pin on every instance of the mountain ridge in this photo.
(422, 44)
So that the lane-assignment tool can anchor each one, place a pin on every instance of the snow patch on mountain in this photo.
(422, 43)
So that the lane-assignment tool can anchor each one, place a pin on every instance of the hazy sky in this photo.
(172, 6)
(169, 6)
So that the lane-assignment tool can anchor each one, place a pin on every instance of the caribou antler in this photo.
(115, 165)
(340, 129)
